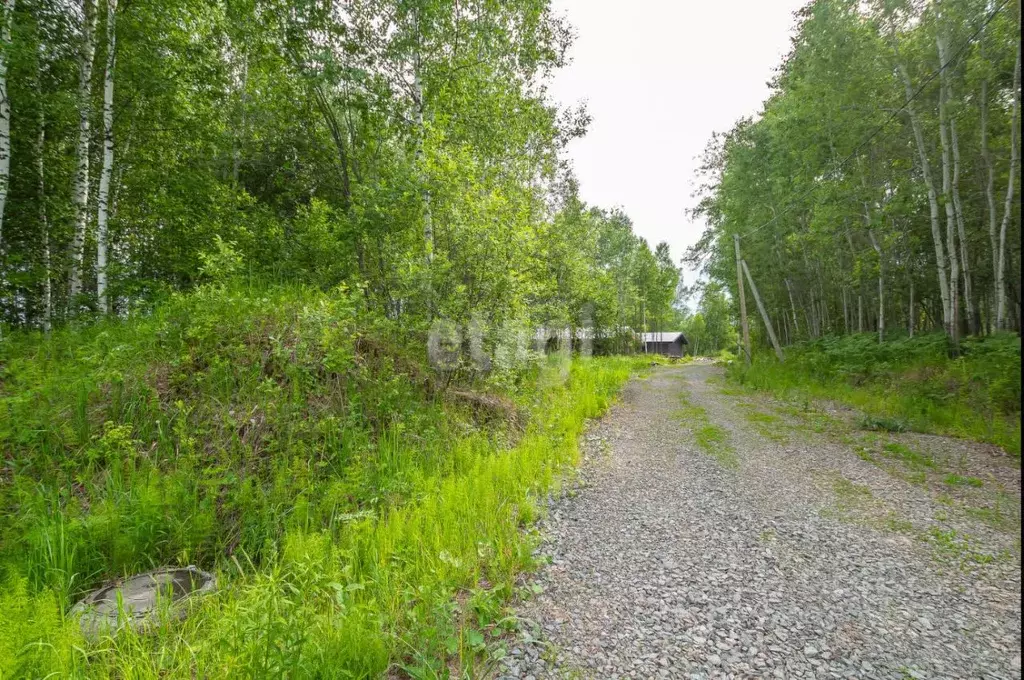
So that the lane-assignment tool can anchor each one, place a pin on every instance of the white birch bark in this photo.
(933, 201)
(947, 200)
(103, 211)
(958, 212)
(990, 194)
(80, 189)
(1008, 207)
(7, 10)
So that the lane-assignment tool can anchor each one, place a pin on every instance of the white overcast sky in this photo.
(659, 76)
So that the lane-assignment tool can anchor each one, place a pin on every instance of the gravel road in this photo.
(793, 558)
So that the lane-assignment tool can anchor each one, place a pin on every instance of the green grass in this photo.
(359, 521)
(953, 479)
(711, 438)
(905, 384)
(909, 456)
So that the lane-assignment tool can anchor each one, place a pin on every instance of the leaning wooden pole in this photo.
(764, 314)
(743, 301)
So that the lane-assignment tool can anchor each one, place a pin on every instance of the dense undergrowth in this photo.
(906, 383)
(360, 520)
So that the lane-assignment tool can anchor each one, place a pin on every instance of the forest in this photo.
(303, 293)
(409, 148)
(878, 189)
(229, 233)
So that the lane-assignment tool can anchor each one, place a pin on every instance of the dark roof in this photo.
(671, 336)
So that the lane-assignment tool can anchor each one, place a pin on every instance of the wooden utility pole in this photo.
(743, 300)
(764, 314)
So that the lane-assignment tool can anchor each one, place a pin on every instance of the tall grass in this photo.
(359, 522)
(910, 381)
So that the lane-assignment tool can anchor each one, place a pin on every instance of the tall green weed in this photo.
(976, 395)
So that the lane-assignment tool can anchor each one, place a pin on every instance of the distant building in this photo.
(670, 344)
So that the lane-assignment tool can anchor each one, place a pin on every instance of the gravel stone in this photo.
(667, 564)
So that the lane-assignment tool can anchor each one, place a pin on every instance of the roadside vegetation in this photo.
(905, 384)
(363, 513)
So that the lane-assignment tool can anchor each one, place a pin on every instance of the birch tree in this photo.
(80, 187)
(6, 16)
(103, 212)
(1008, 207)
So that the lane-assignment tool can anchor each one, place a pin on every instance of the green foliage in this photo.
(906, 383)
(841, 223)
(292, 441)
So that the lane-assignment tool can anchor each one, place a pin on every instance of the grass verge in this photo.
(905, 383)
(359, 521)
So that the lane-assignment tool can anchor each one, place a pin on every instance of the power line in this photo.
(885, 123)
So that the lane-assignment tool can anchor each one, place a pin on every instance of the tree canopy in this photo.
(406, 147)
(876, 189)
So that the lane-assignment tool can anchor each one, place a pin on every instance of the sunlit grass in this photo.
(357, 525)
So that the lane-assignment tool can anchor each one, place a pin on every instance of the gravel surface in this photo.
(667, 563)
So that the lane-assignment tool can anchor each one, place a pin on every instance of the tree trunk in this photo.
(910, 307)
(103, 212)
(743, 299)
(428, 217)
(951, 231)
(990, 193)
(80, 188)
(846, 314)
(1008, 207)
(236, 151)
(7, 10)
(44, 226)
(933, 201)
(947, 95)
(792, 306)
(881, 286)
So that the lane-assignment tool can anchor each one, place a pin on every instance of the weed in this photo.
(913, 458)
(711, 438)
(958, 480)
(1003, 514)
(904, 383)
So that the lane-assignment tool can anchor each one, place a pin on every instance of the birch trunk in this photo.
(7, 8)
(947, 200)
(990, 192)
(965, 261)
(80, 189)
(933, 201)
(1008, 207)
(103, 215)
